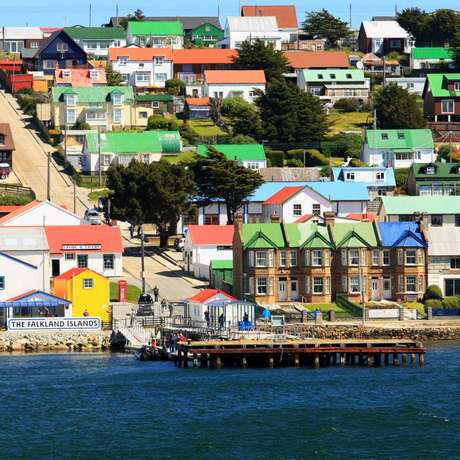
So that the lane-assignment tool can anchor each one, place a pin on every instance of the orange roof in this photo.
(362, 216)
(8, 209)
(211, 234)
(317, 59)
(80, 77)
(19, 210)
(204, 56)
(304, 218)
(197, 100)
(140, 54)
(207, 294)
(235, 76)
(10, 61)
(286, 15)
(284, 194)
(73, 272)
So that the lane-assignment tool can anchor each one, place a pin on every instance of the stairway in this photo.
(374, 206)
(134, 333)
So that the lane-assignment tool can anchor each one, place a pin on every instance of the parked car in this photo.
(93, 216)
(145, 303)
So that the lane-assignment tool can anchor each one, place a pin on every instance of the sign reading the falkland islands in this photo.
(46, 324)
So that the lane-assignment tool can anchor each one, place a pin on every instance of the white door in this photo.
(375, 294)
(387, 288)
(282, 291)
(294, 290)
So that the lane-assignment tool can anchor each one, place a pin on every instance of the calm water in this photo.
(87, 406)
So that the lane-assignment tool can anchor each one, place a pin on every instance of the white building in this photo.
(97, 41)
(143, 67)
(413, 85)
(204, 300)
(204, 243)
(382, 37)
(15, 39)
(233, 83)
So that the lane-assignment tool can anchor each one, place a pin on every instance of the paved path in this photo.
(30, 160)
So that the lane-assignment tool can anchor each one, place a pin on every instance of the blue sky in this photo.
(71, 12)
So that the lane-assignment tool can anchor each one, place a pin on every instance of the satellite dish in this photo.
(359, 65)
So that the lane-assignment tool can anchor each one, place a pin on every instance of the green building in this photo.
(206, 35)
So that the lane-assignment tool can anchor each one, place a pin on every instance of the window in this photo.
(252, 94)
(355, 284)
(455, 263)
(211, 219)
(107, 160)
(103, 45)
(380, 175)
(283, 259)
(261, 286)
(452, 287)
(320, 76)
(71, 116)
(384, 136)
(69, 256)
(411, 256)
(218, 94)
(123, 60)
(67, 74)
(297, 210)
(386, 257)
(430, 170)
(82, 261)
(34, 44)
(95, 115)
(261, 258)
(109, 261)
(318, 285)
(94, 74)
(70, 99)
(348, 75)
(332, 75)
(155, 104)
(293, 258)
(159, 60)
(447, 106)
(88, 283)
(161, 77)
(436, 220)
(253, 165)
(457, 86)
(350, 176)
(317, 258)
(411, 283)
(395, 43)
(117, 99)
(62, 47)
(143, 115)
(353, 257)
(401, 136)
(457, 220)
(2, 283)
(316, 209)
(375, 257)
(142, 77)
(118, 116)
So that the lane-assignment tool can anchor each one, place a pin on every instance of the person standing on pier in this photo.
(156, 293)
(172, 342)
(207, 318)
(221, 321)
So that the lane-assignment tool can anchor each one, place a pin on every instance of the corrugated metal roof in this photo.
(235, 77)
(317, 59)
(401, 234)
(384, 29)
(399, 138)
(23, 239)
(94, 93)
(252, 24)
(238, 152)
(421, 204)
(338, 174)
(95, 33)
(435, 52)
(286, 15)
(444, 241)
(21, 33)
(156, 28)
(438, 83)
(334, 75)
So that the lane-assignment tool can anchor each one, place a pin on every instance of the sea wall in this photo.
(54, 341)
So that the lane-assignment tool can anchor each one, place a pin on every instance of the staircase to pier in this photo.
(133, 331)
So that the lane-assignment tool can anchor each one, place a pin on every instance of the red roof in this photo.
(8, 209)
(204, 56)
(284, 194)
(140, 54)
(317, 59)
(19, 210)
(286, 15)
(211, 234)
(304, 218)
(207, 294)
(235, 76)
(69, 274)
(197, 100)
(10, 61)
(362, 216)
(80, 77)
(96, 238)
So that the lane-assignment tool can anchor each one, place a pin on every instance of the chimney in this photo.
(275, 218)
(329, 218)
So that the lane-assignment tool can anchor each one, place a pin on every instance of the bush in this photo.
(13, 200)
(355, 163)
(276, 157)
(326, 171)
(159, 122)
(401, 176)
(432, 292)
(242, 139)
(347, 105)
(175, 87)
(451, 302)
(433, 303)
(235, 107)
(294, 163)
(348, 145)
(188, 134)
(314, 157)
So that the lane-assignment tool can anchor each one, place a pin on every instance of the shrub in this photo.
(159, 122)
(401, 176)
(347, 105)
(314, 157)
(242, 139)
(432, 292)
(175, 87)
(13, 200)
(276, 157)
(355, 163)
(294, 163)
(348, 145)
(451, 302)
(188, 134)
(326, 171)
(433, 303)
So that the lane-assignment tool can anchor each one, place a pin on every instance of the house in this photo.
(397, 148)
(120, 148)
(57, 51)
(24, 261)
(80, 77)
(413, 85)
(156, 34)
(17, 39)
(6, 144)
(430, 58)
(434, 212)
(434, 179)
(233, 83)
(383, 37)
(380, 181)
(98, 247)
(153, 104)
(204, 243)
(301, 60)
(444, 259)
(221, 275)
(96, 41)
(330, 85)
(143, 67)
(40, 213)
(286, 15)
(103, 106)
(197, 107)
(87, 290)
(373, 64)
(250, 156)
(240, 29)
(206, 34)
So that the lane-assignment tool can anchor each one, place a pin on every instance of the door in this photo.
(375, 293)
(55, 267)
(386, 288)
(282, 290)
(294, 290)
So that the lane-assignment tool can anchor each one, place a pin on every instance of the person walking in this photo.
(131, 231)
(156, 293)
(221, 321)
(207, 318)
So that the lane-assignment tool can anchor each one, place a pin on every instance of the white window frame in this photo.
(355, 288)
(380, 176)
(71, 120)
(283, 259)
(161, 76)
(62, 47)
(159, 60)
(410, 254)
(118, 116)
(117, 99)
(316, 209)
(108, 262)
(71, 100)
(123, 60)
(375, 257)
(49, 63)
(352, 256)
(297, 209)
(317, 258)
(88, 283)
(261, 259)
(261, 286)
(318, 285)
(386, 257)
(414, 283)
(294, 259)
(447, 101)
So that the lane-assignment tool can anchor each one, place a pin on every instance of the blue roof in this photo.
(333, 191)
(401, 234)
(31, 304)
(390, 181)
(41, 296)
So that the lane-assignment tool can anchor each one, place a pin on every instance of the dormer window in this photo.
(320, 76)
(66, 74)
(349, 76)
(401, 136)
(384, 136)
(380, 175)
(159, 60)
(93, 74)
(350, 176)
(123, 60)
(332, 75)
(62, 47)
(117, 99)
(70, 99)
(430, 170)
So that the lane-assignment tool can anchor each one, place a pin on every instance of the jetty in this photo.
(301, 352)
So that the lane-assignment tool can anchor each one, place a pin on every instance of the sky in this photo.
(71, 12)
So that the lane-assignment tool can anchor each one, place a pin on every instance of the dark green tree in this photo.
(258, 55)
(242, 139)
(456, 46)
(396, 108)
(415, 21)
(244, 117)
(218, 178)
(138, 15)
(291, 115)
(323, 24)
(175, 87)
(444, 25)
(114, 78)
(156, 193)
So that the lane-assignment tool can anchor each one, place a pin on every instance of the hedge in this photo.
(276, 157)
(432, 292)
(433, 303)
(451, 302)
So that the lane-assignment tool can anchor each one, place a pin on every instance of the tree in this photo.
(456, 46)
(416, 22)
(138, 15)
(175, 87)
(397, 109)
(159, 122)
(291, 115)
(244, 117)
(258, 55)
(156, 193)
(217, 178)
(444, 25)
(323, 24)
(114, 78)
(242, 139)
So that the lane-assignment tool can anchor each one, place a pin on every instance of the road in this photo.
(30, 161)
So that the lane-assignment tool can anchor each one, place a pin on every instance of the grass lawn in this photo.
(91, 182)
(348, 121)
(205, 128)
(94, 196)
(184, 156)
(133, 293)
(325, 307)
(418, 306)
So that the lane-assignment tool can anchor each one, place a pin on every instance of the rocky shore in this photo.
(54, 342)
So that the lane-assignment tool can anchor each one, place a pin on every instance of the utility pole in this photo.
(90, 15)
(74, 196)
(99, 154)
(384, 72)
(48, 178)
(65, 140)
(142, 259)
(116, 13)
(350, 17)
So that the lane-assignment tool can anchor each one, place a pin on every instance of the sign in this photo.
(81, 247)
(383, 313)
(47, 324)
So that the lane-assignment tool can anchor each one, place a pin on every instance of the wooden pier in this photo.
(306, 352)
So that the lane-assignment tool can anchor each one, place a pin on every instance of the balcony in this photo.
(190, 78)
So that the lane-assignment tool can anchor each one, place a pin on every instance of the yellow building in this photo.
(88, 291)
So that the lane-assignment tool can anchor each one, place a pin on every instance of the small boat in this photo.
(146, 353)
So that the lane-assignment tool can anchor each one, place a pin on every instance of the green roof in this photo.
(437, 52)
(125, 142)
(448, 171)
(407, 205)
(155, 97)
(328, 75)
(95, 33)
(237, 152)
(156, 28)
(405, 139)
(221, 264)
(357, 235)
(307, 235)
(438, 84)
(171, 141)
(95, 94)
(263, 236)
